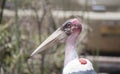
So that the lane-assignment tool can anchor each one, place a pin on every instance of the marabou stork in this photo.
(69, 33)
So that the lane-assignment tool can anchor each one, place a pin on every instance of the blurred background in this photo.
(24, 24)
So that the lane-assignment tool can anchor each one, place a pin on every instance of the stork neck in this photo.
(70, 49)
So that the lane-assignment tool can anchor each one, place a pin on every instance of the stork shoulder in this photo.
(78, 65)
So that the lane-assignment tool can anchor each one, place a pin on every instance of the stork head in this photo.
(69, 28)
(72, 26)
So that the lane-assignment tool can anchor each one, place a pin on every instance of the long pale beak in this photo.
(54, 38)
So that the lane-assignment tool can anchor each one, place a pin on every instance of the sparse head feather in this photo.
(75, 21)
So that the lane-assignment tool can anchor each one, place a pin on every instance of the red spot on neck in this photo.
(83, 61)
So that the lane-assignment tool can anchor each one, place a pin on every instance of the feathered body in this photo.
(76, 67)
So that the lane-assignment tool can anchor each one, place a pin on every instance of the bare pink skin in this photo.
(71, 42)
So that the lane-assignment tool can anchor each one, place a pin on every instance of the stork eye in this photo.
(68, 25)
(67, 28)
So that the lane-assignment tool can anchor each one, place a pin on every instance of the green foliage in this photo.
(12, 61)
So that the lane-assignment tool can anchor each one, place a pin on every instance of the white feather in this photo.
(75, 66)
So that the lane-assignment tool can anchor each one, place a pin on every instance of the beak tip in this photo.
(33, 54)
